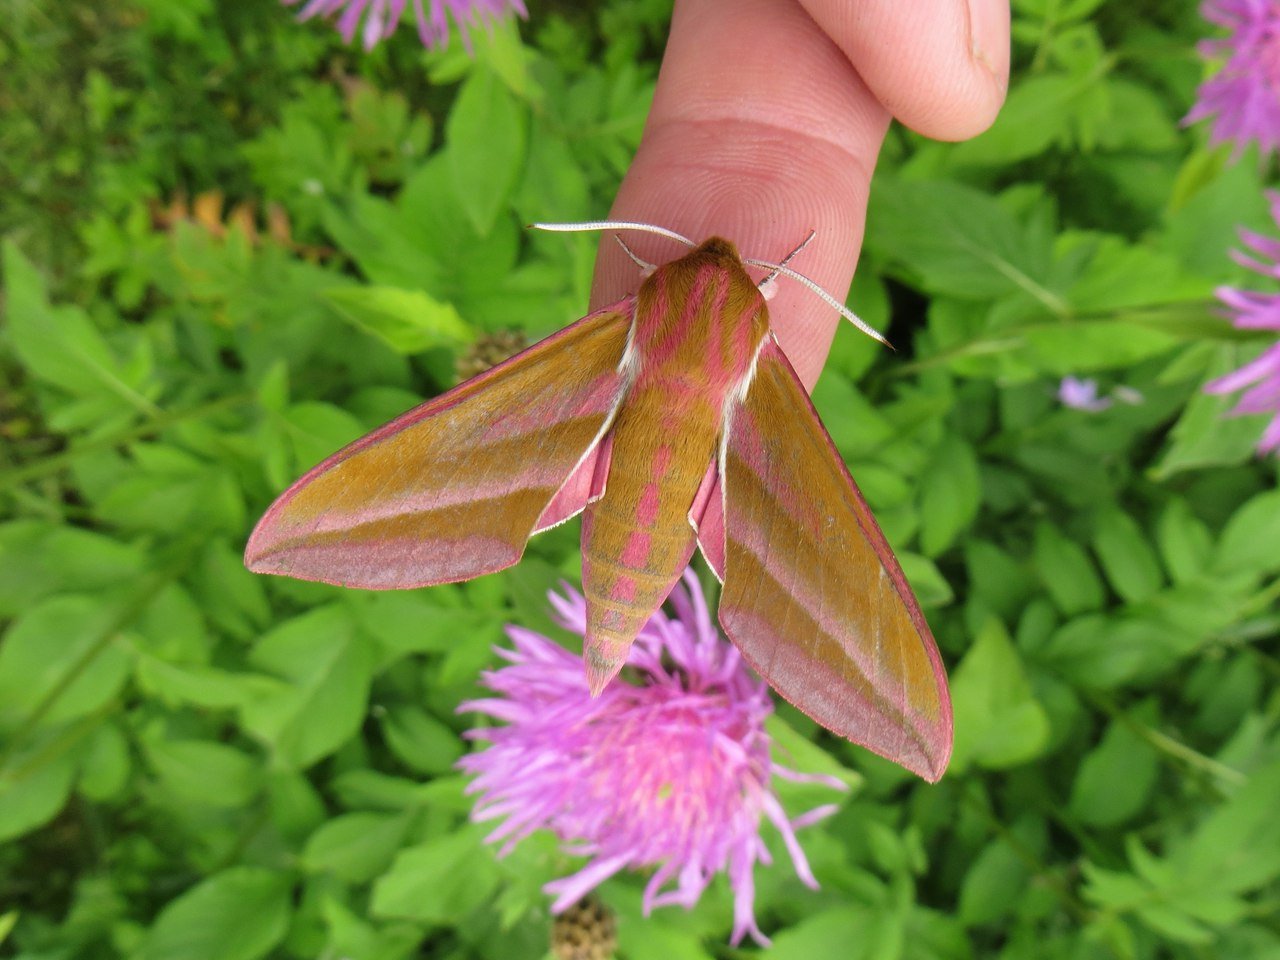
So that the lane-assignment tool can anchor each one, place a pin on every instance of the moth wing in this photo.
(584, 485)
(707, 518)
(455, 487)
(813, 595)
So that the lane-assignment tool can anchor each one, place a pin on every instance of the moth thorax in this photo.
(719, 247)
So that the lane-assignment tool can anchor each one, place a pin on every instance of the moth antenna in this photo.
(773, 274)
(826, 298)
(613, 225)
(646, 268)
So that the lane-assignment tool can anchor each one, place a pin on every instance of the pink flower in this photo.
(1243, 97)
(1254, 310)
(381, 17)
(671, 772)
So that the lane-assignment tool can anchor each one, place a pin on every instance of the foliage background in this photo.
(232, 244)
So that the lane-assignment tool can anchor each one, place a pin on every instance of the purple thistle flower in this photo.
(672, 772)
(381, 17)
(1243, 97)
(1254, 310)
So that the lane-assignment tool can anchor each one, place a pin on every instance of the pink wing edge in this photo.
(707, 516)
(584, 484)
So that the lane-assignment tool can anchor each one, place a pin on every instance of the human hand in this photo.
(767, 121)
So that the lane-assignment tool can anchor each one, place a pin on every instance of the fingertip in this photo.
(940, 69)
(760, 131)
(989, 47)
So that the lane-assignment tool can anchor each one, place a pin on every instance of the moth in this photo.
(670, 420)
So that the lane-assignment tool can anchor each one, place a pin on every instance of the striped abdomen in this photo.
(698, 326)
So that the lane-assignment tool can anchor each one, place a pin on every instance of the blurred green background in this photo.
(232, 243)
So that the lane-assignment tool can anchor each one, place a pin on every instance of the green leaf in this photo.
(500, 48)
(1199, 611)
(172, 683)
(301, 160)
(60, 345)
(998, 722)
(1131, 285)
(316, 430)
(992, 884)
(1237, 848)
(1037, 113)
(950, 495)
(350, 935)
(404, 621)
(169, 491)
(553, 179)
(1077, 478)
(368, 788)
(1127, 558)
(38, 559)
(665, 935)
(1066, 571)
(202, 773)
(1251, 539)
(1213, 199)
(424, 743)
(1139, 119)
(32, 791)
(1184, 541)
(855, 425)
(1206, 435)
(62, 658)
(1065, 348)
(329, 666)
(1198, 887)
(927, 582)
(798, 752)
(1004, 582)
(426, 241)
(296, 806)
(438, 881)
(890, 850)
(1114, 781)
(956, 240)
(1173, 924)
(171, 625)
(355, 847)
(7, 922)
(1098, 652)
(844, 934)
(105, 769)
(485, 136)
(228, 594)
(238, 914)
(408, 321)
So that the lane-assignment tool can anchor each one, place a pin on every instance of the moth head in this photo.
(718, 246)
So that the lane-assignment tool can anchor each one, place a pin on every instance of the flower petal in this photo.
(569, 890)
